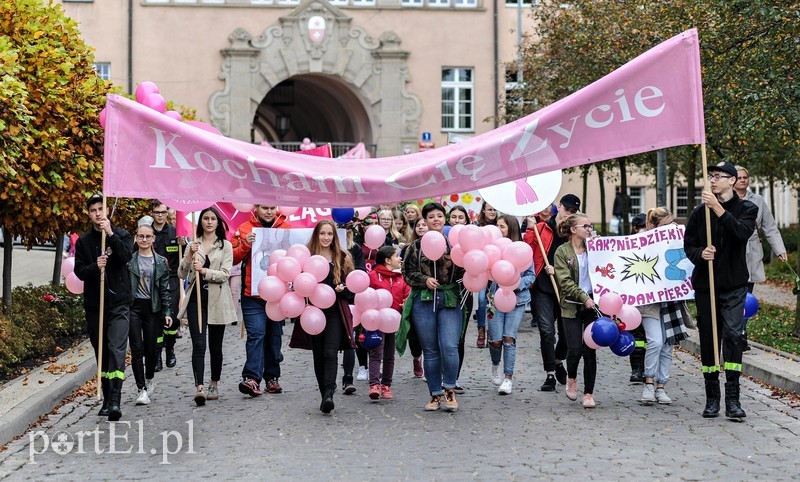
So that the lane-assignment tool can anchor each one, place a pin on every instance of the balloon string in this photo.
(463, 298)
(434, 289)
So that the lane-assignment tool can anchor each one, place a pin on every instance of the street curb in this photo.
(19, 418)
(754, 369)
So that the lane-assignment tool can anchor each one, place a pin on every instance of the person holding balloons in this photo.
(338, 331)
(577, 307)
(435, 307)
(208, 261)
(487, 216)
(503, 326)
(386, 275)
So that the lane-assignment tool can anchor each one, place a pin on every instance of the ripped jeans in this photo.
(505, 325)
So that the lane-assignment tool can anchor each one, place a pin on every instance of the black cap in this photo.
(571, 201)
(93, 199)
(725, 167)
(638, 221)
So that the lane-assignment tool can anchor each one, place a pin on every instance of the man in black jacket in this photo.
(733, 220)
(90, 264)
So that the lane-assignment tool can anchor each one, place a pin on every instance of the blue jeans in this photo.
(438, 333)
(263, 347)
(658, 357)
(505, 325)
(483, 305)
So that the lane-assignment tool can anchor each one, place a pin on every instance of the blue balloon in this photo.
(342, 215)
(624, 345)
(372, 339)
(446, 231)
(604, 331)
(750, 305)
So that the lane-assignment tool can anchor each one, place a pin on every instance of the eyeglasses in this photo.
(159, 213)
(717, 177)
(145, 237)
(588, 227)
(387, 219)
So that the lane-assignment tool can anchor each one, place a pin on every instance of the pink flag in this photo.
(654, 101)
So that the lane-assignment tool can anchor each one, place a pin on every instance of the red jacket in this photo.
(381, 277)
(546, 233)
(241, 249)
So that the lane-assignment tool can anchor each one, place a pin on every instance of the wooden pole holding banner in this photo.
(197, 279)
(712, 290)
(100, 339)
(546, 262)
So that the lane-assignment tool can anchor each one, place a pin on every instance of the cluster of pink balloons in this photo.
(294, 275)
(373, 307)
(307, 145)
(485, 255)
(74, 284)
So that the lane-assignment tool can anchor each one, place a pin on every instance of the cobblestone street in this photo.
(530, 434)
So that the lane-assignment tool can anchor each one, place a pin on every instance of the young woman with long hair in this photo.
(458, 215)
(402, 227)
(413, 214)
(386, 220)
(488, 215)
(208, 261)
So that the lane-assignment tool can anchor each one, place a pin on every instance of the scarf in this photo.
(672, 323)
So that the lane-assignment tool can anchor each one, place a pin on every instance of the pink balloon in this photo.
(475, 283)
(299, 252)
(174, 114)
(276, 256)
(356, 316)
(274, 312)
(292, 305)
(103, 118)
(272, 270)
(519, 253)
(587, 337)
(470, 237)
(156, 102)
(243, 208)
(363, 212)
(312, 146)
(374, 237)
(505, 300)
(288, 269)
(144, 89)
(357, 281)
(305, 284)
(385, 298)
(505, 273)
(67, 266)
(476, 261)
(433, 245)
(457, 254)
(502, 243)
(390, 320)
(512, 286)
(494, 253)
(371, 319)
(288, 210)
(494, 231)
(631, 316)
(312, 320)
(454, 233)
(271, 288)
(74, 284)
(367, 300)
(323, 296)
(203, 126)
(610, 304)
(318, 266)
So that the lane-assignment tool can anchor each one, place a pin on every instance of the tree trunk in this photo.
(602, 179)
(57, 262)
(8, 248)
(625, 227)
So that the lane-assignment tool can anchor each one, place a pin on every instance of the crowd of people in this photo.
(144, 302)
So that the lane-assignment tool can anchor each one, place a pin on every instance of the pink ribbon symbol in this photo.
(524, 193)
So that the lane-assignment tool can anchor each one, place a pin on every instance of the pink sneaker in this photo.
(375, 392)
(588, 400)
(572, 389)
(386, 392)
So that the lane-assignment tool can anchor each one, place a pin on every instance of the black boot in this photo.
(733, 409)
(327, 402)
(712, 396)
(114, 411)
(106, 393)
(171, 360)
(637, 366)
(159, 364)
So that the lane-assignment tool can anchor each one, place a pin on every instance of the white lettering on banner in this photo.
(339, 183)
(594, 124)
(566, 133)
(639, 101)
(524, 139)
(622, 102)
(469, 165)
(161, 151)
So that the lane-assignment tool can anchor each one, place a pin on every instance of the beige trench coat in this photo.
(220, 302)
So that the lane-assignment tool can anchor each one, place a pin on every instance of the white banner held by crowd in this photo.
(644, 268)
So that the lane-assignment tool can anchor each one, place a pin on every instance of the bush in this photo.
(779, 272)
(41, 315)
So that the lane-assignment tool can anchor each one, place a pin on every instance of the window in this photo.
(261, 2)
(466, 3)
(438, 3)
(412, 3)
(681, 198)
(525, 3)
(338, 2)
(363, 3)
(636, 196)
(103, 70)
(457, 99)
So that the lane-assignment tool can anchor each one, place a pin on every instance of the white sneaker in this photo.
(505, 387)
(497, 378)
(648, 394)
(362, 373)
(150, 385)
(143, 399)
(661, 396)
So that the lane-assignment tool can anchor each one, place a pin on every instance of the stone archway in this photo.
(317, 40)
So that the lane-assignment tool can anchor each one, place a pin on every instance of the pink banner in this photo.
(653, 102)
